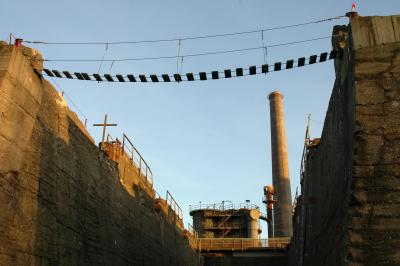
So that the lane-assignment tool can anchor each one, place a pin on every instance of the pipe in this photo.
(280, 168)
(252, 224)
(269, 200)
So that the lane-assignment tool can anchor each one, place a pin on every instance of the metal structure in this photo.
(226, 220)
(280, 169)
(137, 159)
(104, 125)
(269, 201)
(173, 210)
(201, 76)
(241, 244)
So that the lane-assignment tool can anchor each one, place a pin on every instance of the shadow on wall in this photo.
(84, 214)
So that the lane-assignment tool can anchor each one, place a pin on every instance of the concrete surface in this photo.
(62, 201)
(349, 210)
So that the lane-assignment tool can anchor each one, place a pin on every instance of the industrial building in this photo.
(226, 221)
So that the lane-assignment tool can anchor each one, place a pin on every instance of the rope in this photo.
(102, 58)
(69, 98)
(265, 48)
(177, 58)
(189, 38)
(180, 70)
(188, 55)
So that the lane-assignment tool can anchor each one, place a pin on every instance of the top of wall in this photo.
(375, 31)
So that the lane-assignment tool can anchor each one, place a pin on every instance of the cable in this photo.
(102, 59)
(69, 98)
(316, 121)
(189, 38)
(187, 55)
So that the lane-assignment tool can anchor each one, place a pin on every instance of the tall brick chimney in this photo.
(280, 169)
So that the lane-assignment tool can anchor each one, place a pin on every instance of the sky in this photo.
(205, 141)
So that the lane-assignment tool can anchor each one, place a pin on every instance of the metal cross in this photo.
(104, 125)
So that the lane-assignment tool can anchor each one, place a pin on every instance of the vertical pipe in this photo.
(280, 169)
(252, 224)
(269, 200)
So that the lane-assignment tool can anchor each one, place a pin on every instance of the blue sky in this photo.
(205, 141)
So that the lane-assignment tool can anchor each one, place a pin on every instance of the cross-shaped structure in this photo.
(104, 125)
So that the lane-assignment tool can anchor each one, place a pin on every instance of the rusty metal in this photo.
(113, 148)
(222, 207)
(241, 244)
(18, 42)
(313, 143)
(352, 14)
(269, 201)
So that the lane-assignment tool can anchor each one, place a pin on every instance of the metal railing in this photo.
(220, 226)
(232, 244)
(222, 206)
(156, 195)
(304, 154)
(173, 205)
(137, 159)
(110, 138)
(192, 231)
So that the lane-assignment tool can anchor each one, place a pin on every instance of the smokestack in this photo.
(280, 169)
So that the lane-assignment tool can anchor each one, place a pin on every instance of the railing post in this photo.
(140, 164)
(123, 143)
(242, 243)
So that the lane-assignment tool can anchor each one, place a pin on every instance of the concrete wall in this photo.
(349, 211)
(63, 201)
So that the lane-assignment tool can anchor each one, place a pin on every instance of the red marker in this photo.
(353, 7)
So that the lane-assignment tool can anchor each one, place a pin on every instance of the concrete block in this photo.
(372, 68)
(363, 171)
(384, 30)
(369, 92)
(368, 149)
(374, 31)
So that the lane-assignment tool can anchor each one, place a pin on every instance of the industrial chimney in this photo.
(280, 169)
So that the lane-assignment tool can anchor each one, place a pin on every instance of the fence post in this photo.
(140, 164)
(123, 143)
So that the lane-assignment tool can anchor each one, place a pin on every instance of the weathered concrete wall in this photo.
(374, 208)
(350, 205)
(62, 201)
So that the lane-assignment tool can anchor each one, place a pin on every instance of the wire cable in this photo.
(187, 55)
(189, 38)
(69, 98)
